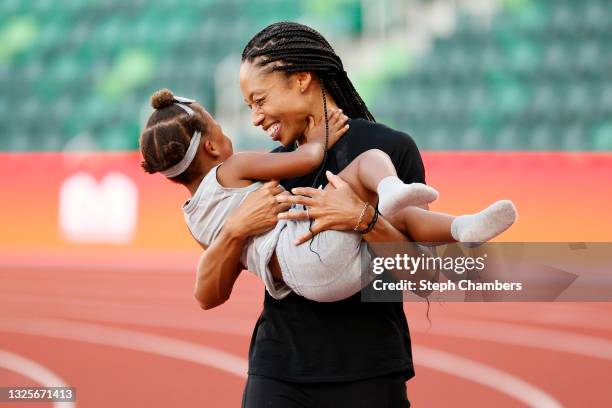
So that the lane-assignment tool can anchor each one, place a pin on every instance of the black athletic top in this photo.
(296, 339)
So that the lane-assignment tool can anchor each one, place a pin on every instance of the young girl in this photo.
(184, 143)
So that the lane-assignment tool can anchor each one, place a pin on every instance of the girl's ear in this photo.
(210, 148)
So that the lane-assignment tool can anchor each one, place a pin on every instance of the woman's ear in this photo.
(304, 79)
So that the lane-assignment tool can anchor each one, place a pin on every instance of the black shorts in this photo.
(388, 391)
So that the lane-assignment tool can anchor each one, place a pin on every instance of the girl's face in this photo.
(221, 142)
(277, 104)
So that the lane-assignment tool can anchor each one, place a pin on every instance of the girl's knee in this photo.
(376, 153)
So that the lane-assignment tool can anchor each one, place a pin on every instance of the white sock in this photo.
(486, 224)
(394, 194)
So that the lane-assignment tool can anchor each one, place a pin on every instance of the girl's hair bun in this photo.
(162, 98)
(173, 152)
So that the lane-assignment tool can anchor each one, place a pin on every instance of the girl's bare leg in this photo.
(424, 225)
(372, 172)
(373, 168)
(365, 173)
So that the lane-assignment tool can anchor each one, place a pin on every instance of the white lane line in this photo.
(505, 333)
(53, 293)
(565, 316)
(547, 339)
(208, 356)
(129, 339)
(36, 372)
(116, 299)
(136, 304)
(233, 326)
(167, 261)
(117, 267)
(485, 375)
(188, 318)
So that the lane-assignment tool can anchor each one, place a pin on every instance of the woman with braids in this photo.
(303, 353)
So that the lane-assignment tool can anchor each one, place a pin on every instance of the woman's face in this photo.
(277, 104)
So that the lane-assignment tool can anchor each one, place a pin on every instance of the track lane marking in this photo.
(34, 371)
(455, 365)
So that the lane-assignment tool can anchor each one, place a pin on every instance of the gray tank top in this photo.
(206, 212)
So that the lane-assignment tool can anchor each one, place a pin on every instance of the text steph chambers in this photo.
(464, 284)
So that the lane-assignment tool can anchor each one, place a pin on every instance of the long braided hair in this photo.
(299, 48)
(293, 47)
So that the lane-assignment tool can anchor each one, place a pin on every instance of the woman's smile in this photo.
(273, 131)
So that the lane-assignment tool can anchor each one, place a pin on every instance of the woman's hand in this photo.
(337, 207)
(258, 212)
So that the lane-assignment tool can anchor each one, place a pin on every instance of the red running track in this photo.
(128, 338)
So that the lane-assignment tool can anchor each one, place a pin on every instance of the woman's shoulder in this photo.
(375, 135)
(401, 148)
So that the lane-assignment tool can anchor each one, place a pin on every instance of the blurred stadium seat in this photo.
(538, 77)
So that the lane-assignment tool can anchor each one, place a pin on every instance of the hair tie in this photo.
(181, 102)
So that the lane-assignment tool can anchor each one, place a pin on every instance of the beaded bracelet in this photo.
(371, 224)
(361, 217)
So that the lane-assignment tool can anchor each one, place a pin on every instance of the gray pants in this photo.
(326, 269)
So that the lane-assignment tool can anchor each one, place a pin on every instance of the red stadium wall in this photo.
(560, 197)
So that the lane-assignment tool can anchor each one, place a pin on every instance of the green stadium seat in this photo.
(539, 76)
(571, 136)
(537, 79)
(541, 138)
(601, 135)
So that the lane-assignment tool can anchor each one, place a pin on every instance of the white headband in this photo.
(180, 101)
(181, 166)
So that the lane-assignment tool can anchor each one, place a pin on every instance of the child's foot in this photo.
(394, 195)
(486, 224)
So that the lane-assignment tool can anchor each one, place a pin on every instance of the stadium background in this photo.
(506, 99)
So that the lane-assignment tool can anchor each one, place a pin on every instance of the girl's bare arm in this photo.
(304, 160)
